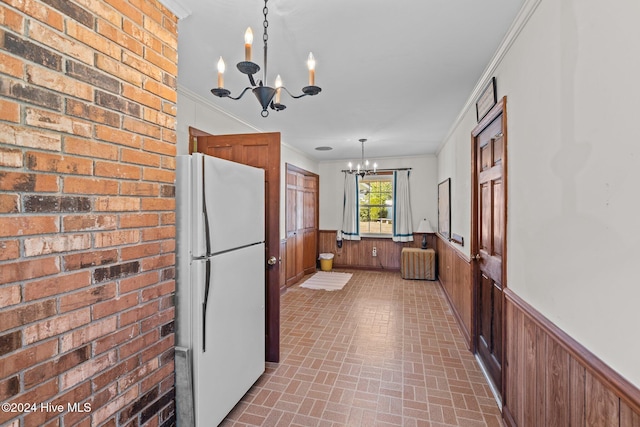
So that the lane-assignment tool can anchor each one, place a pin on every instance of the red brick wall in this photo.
(87, 235)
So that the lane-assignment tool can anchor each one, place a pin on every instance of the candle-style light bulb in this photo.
(221, 68)
(248, 41)
(278, 86)
(350, 166)
(311, 63)
(375, 166)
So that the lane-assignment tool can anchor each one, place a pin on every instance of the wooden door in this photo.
(301, 223)
(489, 243)
(261, 150)
(291, 223)
(310, 223)
(299, 241)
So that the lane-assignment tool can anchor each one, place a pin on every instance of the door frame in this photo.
(499, 108)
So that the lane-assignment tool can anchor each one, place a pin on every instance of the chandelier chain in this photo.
(265, 37)
(265, 24)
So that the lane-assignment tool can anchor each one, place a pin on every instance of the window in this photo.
(376, 205)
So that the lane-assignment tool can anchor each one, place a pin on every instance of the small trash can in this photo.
(326, 262)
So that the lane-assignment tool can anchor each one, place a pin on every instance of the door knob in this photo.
(476, 257)
(272, 261)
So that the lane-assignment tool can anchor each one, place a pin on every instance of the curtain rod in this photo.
(378, 170)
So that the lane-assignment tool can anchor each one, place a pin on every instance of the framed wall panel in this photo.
(444, 208)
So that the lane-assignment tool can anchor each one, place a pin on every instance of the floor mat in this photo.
(327, 280)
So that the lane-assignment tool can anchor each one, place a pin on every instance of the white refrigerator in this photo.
(220, 279)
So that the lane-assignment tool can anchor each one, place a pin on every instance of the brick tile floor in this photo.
(383, 351)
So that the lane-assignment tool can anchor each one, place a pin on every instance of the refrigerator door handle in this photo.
(204, 305)
(204, 211)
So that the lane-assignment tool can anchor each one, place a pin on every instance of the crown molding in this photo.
(518, 24)
(177, 7)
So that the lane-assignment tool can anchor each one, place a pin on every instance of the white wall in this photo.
(572, 78)
(196, 112)
(422, 182)
(454, 161)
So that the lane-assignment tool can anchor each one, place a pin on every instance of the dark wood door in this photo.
(301, 223)
(261, 150)
(310, 223)
(490, 244)
(291, 222)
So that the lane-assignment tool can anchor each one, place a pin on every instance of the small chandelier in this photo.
(265, 94)
(362, 168)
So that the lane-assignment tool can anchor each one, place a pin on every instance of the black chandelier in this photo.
(264, 93)
(362, 168)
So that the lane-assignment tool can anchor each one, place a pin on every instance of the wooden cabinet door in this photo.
(310, 245)
(299, 229)
(292, 230)
(302, 223)
(310, 223)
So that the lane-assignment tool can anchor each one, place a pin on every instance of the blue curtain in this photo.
(351, 208)
(402, 222)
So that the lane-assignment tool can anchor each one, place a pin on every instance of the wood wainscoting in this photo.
(551, 380)
(357, 253)
(454, 273)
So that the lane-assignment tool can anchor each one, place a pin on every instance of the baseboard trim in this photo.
(507, 418)
(492, 386)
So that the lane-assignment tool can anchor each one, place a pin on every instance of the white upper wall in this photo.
(454, 161)
(573, 102)
(195, 112)
(422, 186)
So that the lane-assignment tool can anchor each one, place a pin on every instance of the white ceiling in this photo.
(397, 73)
